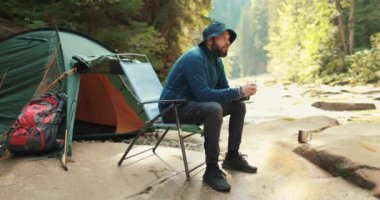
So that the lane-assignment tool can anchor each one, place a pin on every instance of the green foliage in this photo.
(234, 70)
(161, 29)
(146, 40)
(253, 36)
(367, 22)
(21, 12)
(234, 14)
(297, 39)
(364, 66)
(304, 44)
(91, 15)
(228, 11)
(179, 22)
(8, 10)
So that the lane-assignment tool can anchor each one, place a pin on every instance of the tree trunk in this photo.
(150, 10)
(341, 26)
(351, 25)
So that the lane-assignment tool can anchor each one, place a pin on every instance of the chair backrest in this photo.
(143, 82)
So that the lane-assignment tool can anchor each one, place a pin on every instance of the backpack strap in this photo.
(4, 140)
(3, 146)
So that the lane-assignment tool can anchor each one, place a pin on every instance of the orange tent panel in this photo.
(100, 102)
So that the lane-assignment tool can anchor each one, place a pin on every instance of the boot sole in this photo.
(217, 189)
(233, 168)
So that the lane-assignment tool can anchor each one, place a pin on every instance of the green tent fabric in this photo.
(34, 59)
(98, 64)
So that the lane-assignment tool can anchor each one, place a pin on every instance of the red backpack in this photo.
(36, 129)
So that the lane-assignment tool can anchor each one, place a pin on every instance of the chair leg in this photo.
(143, 130)
(184, 156)
(130, 146)
(182, 144)
(159, 141)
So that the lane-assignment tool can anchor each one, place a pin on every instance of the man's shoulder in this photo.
(194, 54)
(194, 57)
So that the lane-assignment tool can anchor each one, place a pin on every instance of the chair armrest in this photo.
(171, 101)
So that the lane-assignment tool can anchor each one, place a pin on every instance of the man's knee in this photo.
(214, 109)
(240, 107)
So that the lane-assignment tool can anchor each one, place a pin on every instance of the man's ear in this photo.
(209, 41)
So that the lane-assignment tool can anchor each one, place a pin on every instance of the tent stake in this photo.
(64, 156)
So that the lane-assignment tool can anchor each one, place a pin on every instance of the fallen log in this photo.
(340, 106)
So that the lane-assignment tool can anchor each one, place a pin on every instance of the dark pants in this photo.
(211, 114)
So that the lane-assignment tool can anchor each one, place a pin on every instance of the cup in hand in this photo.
(249, 89)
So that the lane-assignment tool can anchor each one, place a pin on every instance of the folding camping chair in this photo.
(142, 82)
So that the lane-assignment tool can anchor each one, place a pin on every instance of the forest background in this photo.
(302, 41)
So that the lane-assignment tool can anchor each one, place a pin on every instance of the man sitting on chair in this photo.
(198, 76)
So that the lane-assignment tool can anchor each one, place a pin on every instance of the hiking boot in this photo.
(215, 178)
(238, 163)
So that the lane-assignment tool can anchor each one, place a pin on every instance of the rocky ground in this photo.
(341, 161)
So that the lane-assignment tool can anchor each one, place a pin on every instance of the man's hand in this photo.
(249, 89)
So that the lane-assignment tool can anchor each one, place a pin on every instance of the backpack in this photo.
(37, 127)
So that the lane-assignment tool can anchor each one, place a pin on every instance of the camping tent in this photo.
(38, 61)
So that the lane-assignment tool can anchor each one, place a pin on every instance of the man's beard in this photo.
(218, 51)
